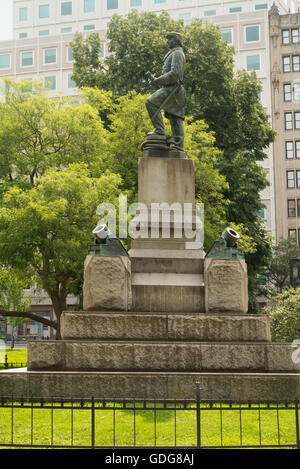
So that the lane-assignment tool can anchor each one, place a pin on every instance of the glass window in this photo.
(295, 35)
(287, 92)
(285, 34)
(298, 178)
(88, 27)
(291, 208)
(50, 56)
(297, 91)
(290, 179)
(66, 8)
(102, 50)
(5, 60)
(288, 121)
(89, 6)
(26, 59)
(253, 62)
(296, 63)
(70, 57)
(135, 3)
(44, 32)
(66, 30)
(185, 16)
(298, 212)
(159, 1)
(261, 6)
(235, 9)
(292, 234)
(23, 14)
(227, 35)
(50, 82)
(112, 4)
(289, 150)
(297, 120)
(210, 12)
(44, 11)
(297, 148)
(71, 83)
(252, 33)
(22, 35)
(286, 63)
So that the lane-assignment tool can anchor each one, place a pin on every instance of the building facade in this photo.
(285, 82)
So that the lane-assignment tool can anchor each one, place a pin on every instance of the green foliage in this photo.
(12, 288)
(285, 315)
(285, 258)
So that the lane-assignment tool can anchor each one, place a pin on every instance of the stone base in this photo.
(177, 356)
(235, 386)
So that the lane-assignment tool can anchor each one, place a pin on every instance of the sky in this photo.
(5, 20)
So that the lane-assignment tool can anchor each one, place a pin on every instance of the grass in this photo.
(17, 355)
(115, 427)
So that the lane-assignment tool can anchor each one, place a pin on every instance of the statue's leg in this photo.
(177, 130)
(156, 117)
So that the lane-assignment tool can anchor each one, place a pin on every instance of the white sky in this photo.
(6, 20)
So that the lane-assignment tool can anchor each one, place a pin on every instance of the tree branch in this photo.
(27, 315)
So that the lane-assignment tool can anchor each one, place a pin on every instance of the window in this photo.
(298, 178)
(291, 208)
(210, 12)
(23, 14)
(70, 57)
(295, 35)
(44, 32)
(289, 150)
(296, 63)
(286, 63)
(297, 120)
(285, 35)
(50, 56)
(44, 11)
(5, 61)
(66, 8)
(253, 62)
(287, 92)
(22, 35)
(290, 179)
(292, 234)
(297, 148)
(288, 121)
(66, 30)
(135, 3)
(112, 4)
(297, 91)
(185, 16)
(235, 9)
(298, 209)
(252, 33)
(159, 1)
(227, 35)
(102, 50)
(261, 6)
(88, 27)
(26, 59)
(89, 6)
(71, 83)
(50, 82)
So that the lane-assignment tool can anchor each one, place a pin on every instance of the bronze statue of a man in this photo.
(171, 94)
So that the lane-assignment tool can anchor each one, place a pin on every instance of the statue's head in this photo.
(174, 39)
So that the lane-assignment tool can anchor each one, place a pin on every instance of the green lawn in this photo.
(61, 426)
(17, 355)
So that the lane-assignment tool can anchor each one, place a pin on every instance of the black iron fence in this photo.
(129, 423)
(6, 364)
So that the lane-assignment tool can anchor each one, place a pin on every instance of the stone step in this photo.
(160, 356)
(91, 325)
(166, 265)
(257, 387)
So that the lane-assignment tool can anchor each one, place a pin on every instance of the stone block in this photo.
(107, 283)
(226, 285)
(49, 355)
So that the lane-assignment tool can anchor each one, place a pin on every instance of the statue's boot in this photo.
(156, 118)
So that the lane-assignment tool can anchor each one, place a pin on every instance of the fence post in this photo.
(297, 421)
(198, 414)
(5, 361)
(93, 423)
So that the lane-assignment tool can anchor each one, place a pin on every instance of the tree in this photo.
(12, 288)
(284, 311)
(45, 230)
